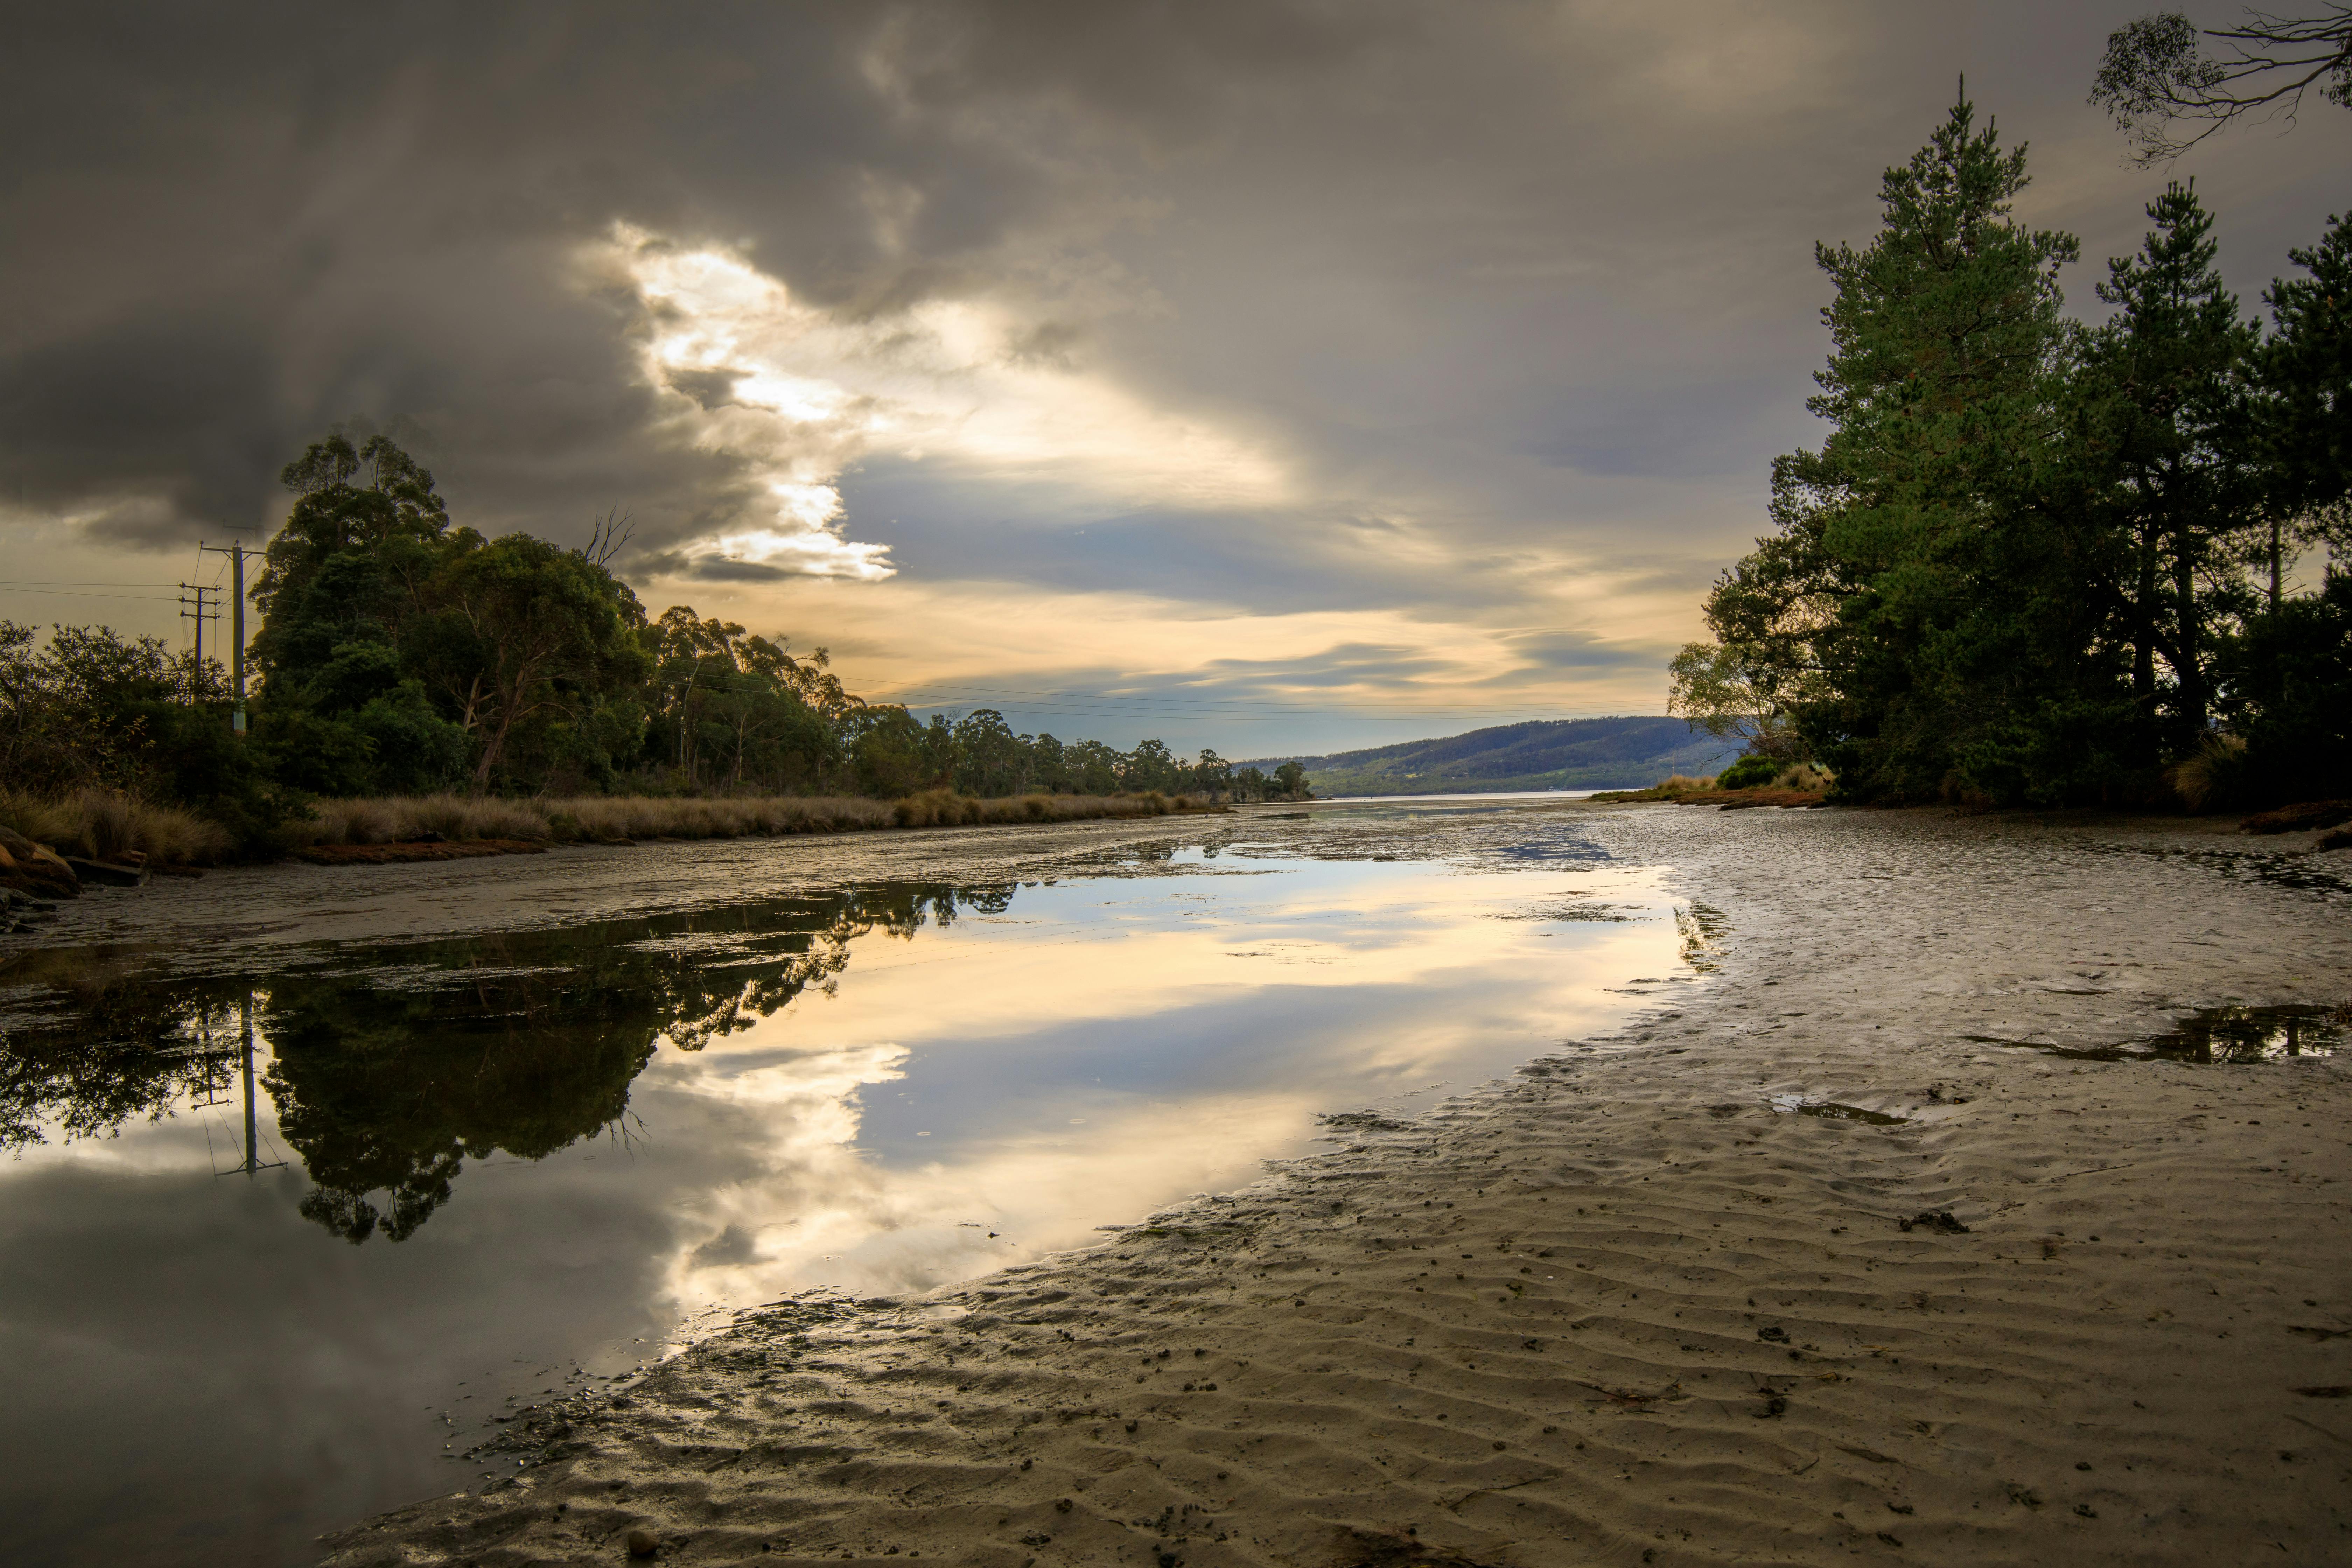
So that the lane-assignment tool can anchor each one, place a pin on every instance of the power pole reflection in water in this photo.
(253, 1160)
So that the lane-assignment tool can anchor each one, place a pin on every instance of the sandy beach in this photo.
(1668, 1296)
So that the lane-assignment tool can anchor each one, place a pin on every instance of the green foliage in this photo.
(2305, 407)
(399, 655)
(2156, 74)
(93, 711)
(2020, 568)
(2163, 388)
(1748, 773)
(2288, 693)
(1730, 693)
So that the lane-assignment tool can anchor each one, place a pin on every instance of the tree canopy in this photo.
(2028, 562)
(399, 652)
(2157, 73)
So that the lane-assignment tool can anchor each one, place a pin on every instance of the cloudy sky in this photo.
(1268, 376)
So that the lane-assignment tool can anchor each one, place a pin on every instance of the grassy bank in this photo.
(103, 826)
(100, 825)
(1797, 785)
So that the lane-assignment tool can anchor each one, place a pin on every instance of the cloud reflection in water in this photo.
(1107, 1047)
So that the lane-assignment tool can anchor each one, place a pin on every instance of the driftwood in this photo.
(35, 869)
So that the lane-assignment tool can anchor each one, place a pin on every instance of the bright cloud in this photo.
(797, 397)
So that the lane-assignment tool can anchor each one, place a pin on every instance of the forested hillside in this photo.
(1548, 753)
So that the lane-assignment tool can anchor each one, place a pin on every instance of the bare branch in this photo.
(611, 533)
(2156, 73)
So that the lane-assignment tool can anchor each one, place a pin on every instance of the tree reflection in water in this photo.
(393, 1066)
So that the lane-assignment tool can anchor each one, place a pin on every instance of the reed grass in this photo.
(612, 818)
(104, 825)
(2214, 775)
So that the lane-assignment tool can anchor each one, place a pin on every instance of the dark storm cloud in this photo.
(233, 226)
(1518, 297)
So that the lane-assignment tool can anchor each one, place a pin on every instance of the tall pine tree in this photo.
(2165, 383)
(1922, 596)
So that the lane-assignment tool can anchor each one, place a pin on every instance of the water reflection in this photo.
(386, 1077)
(2237, 1035)
(549, 1148)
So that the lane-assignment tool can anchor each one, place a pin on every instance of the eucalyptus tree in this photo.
(2159, 73)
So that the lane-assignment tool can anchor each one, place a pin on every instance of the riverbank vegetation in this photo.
(2040, 561)
(410, 672)
(607, 819)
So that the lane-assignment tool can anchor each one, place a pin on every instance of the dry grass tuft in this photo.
(2214, 775)
(104, 826)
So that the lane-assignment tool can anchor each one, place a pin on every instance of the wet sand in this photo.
(1627, 1307)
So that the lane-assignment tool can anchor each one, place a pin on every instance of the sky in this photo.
(1273, 376)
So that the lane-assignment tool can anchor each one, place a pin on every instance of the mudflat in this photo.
(1858, 1246)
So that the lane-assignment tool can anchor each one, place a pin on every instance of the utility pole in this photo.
(198, 611)
(244, 1045)
(236, 554)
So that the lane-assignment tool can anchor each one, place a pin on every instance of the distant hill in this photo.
(1548, 753)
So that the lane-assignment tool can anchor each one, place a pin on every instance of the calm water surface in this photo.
(249, 1292)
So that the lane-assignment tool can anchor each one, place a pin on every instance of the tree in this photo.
(990, 760)
(1916, 610)
(525, 631)
(2156, 73)
(341, 710)
(888, 749)
(742, 702)
(2305, 407)
(1735, 692)
(2166, 385)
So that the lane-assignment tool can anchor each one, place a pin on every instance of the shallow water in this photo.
(278, 1247)
(2234, 1035)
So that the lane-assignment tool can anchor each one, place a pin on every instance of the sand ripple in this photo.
(1644, 1304)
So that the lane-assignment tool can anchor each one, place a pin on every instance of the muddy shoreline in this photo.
(1633, 1305)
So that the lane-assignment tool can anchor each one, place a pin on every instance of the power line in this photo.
(85, 594)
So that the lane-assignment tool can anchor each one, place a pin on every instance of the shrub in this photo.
(2215, 776)
(1747, 772)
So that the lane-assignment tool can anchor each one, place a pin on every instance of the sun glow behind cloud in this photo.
(796, 396)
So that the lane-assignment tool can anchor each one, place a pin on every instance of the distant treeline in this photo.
(2042, 562)
(401, 654)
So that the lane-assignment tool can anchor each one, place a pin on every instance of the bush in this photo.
(1747, 772)
(2216, 777)
(2289, 693)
